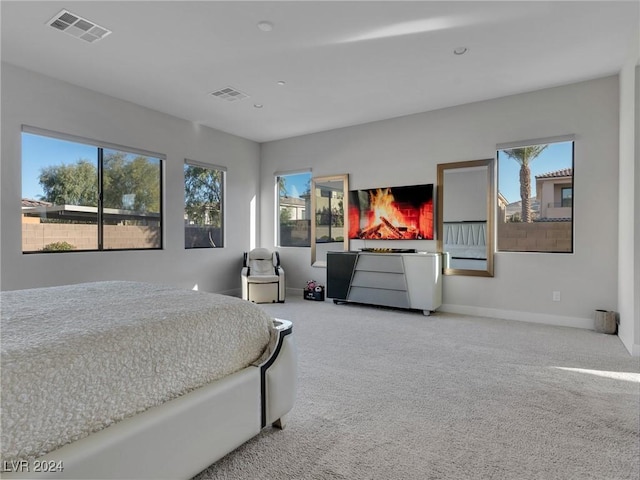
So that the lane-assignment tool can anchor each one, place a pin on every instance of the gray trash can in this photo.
(605, 322)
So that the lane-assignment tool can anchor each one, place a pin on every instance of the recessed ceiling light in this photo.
(258, 105)
(282, 82)
(460, 51)
(265, 26)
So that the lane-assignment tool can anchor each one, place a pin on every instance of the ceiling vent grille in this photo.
(78, 27)
(229, 94)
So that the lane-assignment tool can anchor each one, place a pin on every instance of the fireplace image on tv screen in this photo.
(391, 213)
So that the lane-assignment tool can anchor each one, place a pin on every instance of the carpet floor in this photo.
(391, 394)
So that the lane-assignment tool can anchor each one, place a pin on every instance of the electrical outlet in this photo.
(556, 296)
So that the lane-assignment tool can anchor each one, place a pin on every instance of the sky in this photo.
(297, 184)
(555, 157)
(39, 151)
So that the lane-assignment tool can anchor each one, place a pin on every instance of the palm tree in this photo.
(524, 156)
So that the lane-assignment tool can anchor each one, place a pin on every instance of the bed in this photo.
(136, 380)
(465, 244)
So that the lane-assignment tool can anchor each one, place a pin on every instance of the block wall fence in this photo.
(35, 236)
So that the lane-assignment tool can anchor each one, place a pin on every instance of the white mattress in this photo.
(76, 359)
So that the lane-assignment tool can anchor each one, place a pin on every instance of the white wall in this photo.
(406, 150)
(35, 100)
(629, 202)
(635, 347)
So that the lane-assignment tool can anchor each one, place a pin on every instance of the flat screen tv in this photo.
(391, 213)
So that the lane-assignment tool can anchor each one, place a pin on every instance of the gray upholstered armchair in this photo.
(262, 277)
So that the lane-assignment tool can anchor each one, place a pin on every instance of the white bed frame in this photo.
(182, 437)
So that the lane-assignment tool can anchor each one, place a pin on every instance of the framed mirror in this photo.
(329, 207)
(465, 213)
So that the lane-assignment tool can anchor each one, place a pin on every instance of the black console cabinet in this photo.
(339, 270)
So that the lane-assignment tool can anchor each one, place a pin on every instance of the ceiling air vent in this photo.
(229, 94)
(78, 27)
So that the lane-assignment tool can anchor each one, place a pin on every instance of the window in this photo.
(78, 196)
(535, 197)
(294, 207)
(203, 205)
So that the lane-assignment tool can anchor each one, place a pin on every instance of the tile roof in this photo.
(565, 172)
(29, 202)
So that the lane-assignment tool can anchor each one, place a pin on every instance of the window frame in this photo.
(568, 199)
(100, 146)
(541, 141)
(278, 226)
(223, 201)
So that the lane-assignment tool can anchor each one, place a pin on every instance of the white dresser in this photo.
(404, 280)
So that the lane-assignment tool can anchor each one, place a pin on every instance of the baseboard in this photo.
(557, 320)
(237, 292)
(633, 349)
(234, 292)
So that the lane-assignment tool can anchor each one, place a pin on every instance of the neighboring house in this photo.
(555, 194)
(29, 207)
(295, 206)
(502, 208)
(553, 200)
(33, 211)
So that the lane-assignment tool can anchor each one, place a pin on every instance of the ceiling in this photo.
(343, 63)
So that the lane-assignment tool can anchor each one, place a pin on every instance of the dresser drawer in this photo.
(389, 281)
(380, 263)
(379, 296)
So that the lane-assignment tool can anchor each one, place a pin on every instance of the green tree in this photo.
(131, 184)
(203, 195)
(70, 184)
(282, 186)
(285, 216)
(307, 190)
(524, 156)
